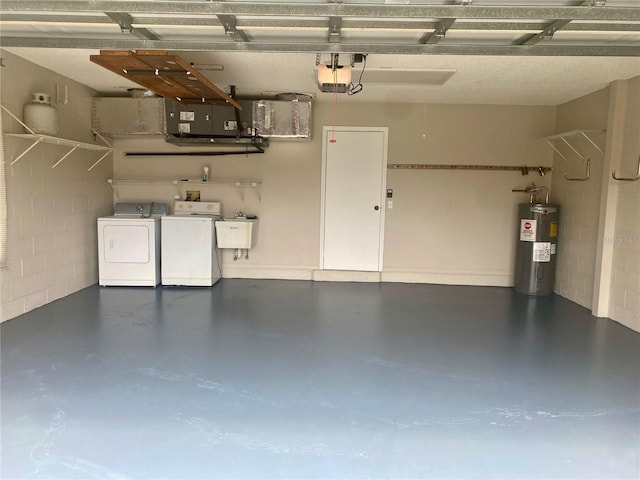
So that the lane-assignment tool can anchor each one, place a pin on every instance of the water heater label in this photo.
(542, 251)
(528, 230)
(553, 229)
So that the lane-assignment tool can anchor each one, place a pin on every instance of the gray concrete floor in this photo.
(277, 379)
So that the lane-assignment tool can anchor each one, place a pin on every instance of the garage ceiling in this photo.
(492, 51)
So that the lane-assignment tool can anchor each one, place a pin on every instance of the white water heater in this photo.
(536, 250)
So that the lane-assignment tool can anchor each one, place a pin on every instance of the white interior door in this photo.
(354, 173)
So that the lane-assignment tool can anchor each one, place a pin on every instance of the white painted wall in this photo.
(51, 212)
(456, 227)
(624, 300)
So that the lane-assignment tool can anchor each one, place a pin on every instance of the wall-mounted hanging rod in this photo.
(587, 174)
(524, 170)
(629, 179)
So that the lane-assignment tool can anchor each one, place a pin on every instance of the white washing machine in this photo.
(129, 245)
(190, 255)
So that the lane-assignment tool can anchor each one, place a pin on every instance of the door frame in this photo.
(326, 130)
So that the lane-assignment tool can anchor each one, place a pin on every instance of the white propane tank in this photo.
(40, 116)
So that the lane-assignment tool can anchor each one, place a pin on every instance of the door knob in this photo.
(376, 207)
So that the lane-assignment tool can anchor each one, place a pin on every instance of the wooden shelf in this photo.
(168, 75)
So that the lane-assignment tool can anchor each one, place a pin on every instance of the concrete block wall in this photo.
(577, 242)
(599, 239)
(624, 300)
(52, 213)
(625, 288)
(579, 201)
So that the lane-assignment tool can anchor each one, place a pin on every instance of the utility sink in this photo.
(237, 232)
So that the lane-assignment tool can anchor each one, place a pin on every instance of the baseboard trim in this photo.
(484, 278)
(266, 272)
(346, 276)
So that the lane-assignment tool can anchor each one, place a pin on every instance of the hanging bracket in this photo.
(580, 179)
(627, 179)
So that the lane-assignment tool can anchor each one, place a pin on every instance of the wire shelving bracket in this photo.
(74, 145)
(566, 138)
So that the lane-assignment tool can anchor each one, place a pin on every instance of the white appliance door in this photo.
(187, 250)
(126, 243)
(128, 252)
(354, 172)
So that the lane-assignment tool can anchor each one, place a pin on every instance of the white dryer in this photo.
(190, 255)
(129, 245)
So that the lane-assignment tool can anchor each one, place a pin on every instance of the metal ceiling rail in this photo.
(316, 23)
(335, 29)
(326, 47)
(125, 21)
(439, 32)
(549, 30)
(530, 12)
(230, 23)
(137, 19)
(547, 33)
